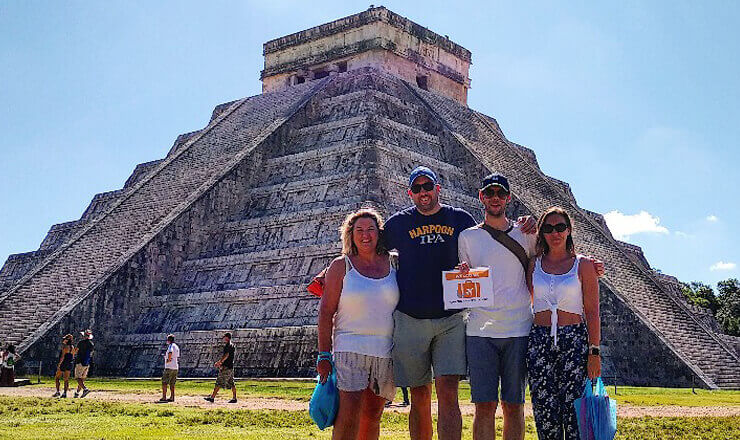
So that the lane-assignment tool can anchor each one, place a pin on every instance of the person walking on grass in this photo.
(171, 365)
(225, 367)
(65, 365)
(83, 357)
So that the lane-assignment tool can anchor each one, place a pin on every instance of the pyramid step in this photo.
(271, 306)
(255, 269)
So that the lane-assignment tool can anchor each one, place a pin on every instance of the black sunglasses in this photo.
(490, 191)
(548, 228)
(417, 187)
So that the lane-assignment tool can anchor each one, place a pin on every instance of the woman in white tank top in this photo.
(563, 350)
(356, 326)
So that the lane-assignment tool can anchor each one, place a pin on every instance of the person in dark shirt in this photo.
(427, 339)
(83, 357)
(225, 367)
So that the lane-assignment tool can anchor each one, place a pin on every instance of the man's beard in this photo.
(501, 213)
(433, 201)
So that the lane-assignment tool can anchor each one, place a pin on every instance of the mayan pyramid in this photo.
(226, 231)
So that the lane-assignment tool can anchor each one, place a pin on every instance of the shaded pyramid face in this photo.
(225, 233)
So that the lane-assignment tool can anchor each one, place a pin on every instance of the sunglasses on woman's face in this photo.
(426, 186)
(548, 228)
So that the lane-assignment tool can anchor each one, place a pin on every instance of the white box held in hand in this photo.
(472, 289)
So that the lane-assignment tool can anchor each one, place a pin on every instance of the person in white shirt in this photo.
(356, 326)
(496, 341)
(9, 359)
(564, 341)
(171, 365)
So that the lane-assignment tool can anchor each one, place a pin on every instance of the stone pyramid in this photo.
(226, 231)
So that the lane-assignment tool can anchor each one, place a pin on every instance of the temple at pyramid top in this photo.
(376, 38)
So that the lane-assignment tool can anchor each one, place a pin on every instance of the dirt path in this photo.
(294, 405)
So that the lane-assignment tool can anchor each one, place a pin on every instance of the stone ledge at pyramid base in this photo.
(288, 351)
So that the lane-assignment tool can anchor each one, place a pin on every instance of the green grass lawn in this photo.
(30, 418)
(301, 390)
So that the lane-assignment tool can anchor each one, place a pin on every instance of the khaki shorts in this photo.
(225, 378)
(169, 377)
(426, 347)
(355, 372)
(81, 371)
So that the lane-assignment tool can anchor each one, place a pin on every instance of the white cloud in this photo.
(721, 265)
(683, 234)
(712, 218)
(623, 225)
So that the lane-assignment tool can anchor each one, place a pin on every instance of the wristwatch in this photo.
(594, 350)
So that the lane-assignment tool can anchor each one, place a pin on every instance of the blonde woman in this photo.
(356, 326)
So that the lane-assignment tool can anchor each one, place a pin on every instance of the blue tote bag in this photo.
(596, 413)
(324, 403)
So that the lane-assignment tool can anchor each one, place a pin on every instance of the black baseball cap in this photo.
(496, 179)
(422, 171)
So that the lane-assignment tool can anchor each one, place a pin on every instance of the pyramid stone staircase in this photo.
(80, 264)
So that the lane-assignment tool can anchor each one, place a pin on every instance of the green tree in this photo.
(728, 314)
(700, 294)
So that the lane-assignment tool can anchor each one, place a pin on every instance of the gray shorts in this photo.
(355, 372)
(421, 346)
(497, 359)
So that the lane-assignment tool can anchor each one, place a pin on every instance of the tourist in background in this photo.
(83, 357)
(9, 359)
(225, 367)
(563, 350)
(360, 295)
(171, 366)
(65, 364)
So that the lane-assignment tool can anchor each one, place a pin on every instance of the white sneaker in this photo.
(55, 394)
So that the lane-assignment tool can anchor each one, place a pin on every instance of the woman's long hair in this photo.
(542, 247)
(345, 231)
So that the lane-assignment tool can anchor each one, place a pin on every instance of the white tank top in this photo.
(557, 292)
(363, 323)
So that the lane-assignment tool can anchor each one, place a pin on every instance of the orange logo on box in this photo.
(468, 289)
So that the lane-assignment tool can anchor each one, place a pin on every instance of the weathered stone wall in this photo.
(632, 353)
(375, 38)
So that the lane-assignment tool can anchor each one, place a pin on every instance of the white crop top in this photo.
(557, 292)
(363, 322)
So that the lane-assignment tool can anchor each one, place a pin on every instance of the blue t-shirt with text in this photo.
(426, 245)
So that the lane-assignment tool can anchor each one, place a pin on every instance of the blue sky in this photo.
(635, 104)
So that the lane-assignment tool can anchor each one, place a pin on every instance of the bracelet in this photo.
(323, 356)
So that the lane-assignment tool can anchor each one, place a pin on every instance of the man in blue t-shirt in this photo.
(427, 337)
